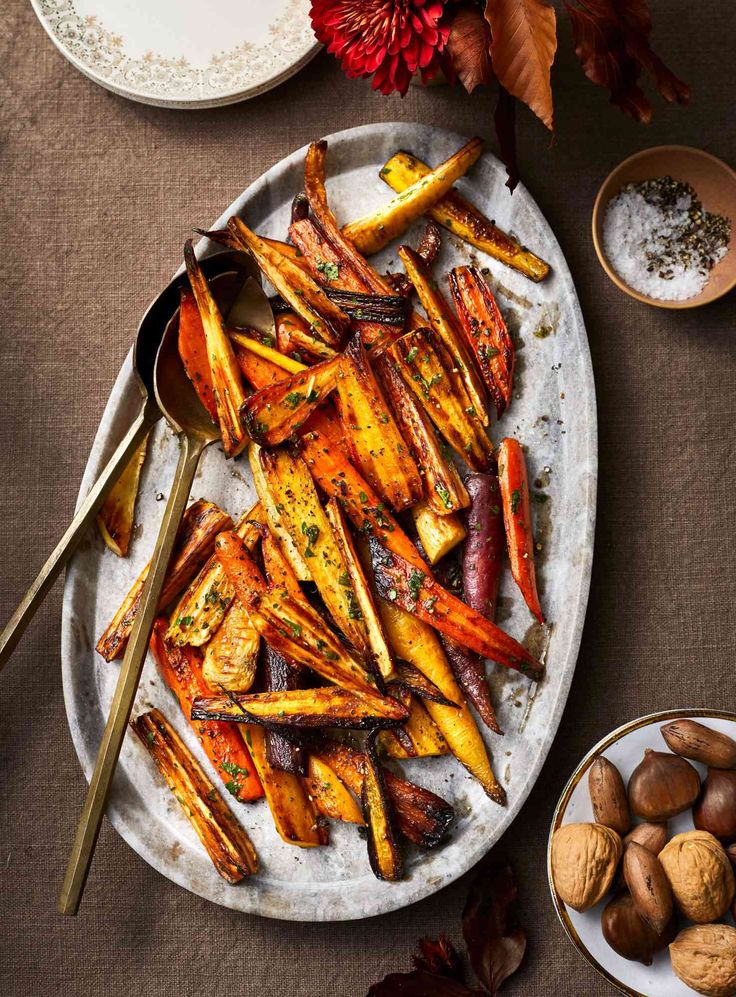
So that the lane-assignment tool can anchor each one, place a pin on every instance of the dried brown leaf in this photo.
(420, 983)
(495, 941)
(523, 46)
(439, 956)
(612, 44)
(469, 48)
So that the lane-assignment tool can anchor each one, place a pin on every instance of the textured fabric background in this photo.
(97, 196)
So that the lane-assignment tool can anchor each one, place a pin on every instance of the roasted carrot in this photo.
(115, 518)
(421, 816)
(329, 793)
(193, 351)
(291, 626)
(227, 385)
(518, 522)
(195, 540)
(384, 852)
(181, 670)
(285, 754)
(444, 323)
(294, 338)
(225, 841)
(486, 332)
(417, 592)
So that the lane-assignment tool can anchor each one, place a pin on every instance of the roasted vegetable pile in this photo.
(345, 621)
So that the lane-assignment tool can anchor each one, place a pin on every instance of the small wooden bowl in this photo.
(715, 184)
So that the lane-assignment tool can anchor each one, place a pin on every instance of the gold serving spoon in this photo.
(184, 412)
(147, 342)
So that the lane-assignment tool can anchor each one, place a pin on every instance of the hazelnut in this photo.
(652, 836)
(662, 785)
(715, 811)
(629, 935)
(700, 875)
(583, 860)
(693, 740)
(608, 796)
(649, 887)
(704, 958)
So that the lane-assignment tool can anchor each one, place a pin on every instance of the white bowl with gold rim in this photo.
(625, 747)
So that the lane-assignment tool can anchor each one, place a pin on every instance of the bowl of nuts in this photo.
(642, 853)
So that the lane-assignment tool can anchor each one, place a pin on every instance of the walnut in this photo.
(700, 875)
(704, 958)
(583, 861)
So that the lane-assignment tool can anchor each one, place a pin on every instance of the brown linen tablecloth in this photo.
(98, 196)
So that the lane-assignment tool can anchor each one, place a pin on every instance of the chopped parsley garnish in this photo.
(232, 769)
(330, 270)
(444, 495)
(416, 580)
(515, 499)
(311, 532)
(411, 355)
(293, 398)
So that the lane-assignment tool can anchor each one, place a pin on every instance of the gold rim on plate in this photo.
(560, 809)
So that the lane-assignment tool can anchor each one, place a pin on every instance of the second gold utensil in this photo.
(180, 405)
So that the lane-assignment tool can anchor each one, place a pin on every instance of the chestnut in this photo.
(715, 811)
(629, 935)
(662, 786)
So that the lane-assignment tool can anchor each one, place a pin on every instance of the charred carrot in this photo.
(486, 332)
(418, 593)
(193, 351)
(517, 520)
(181, 669)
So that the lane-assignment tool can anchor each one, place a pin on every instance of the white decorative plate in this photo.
(182, 53)
(625, 747)
(554, 414)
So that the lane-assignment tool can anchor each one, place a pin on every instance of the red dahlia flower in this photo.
(389, 40)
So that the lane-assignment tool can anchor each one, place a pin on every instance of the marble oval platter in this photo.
(625, 747)
(553, 413)
(182, 53)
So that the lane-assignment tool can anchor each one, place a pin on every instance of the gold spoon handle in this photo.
(127, 684)
(16, 625)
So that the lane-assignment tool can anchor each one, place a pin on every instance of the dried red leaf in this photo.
(523, 46)
(504, 119)
(495, 941)
(612, 44)
(469, 47)
(420, 983)
(438, 956)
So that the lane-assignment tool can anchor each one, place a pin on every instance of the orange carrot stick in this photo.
(181, 669)
(517, 521)
(193, 351)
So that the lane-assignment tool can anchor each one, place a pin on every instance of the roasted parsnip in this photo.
(231, 656)
(305, 296)
(424, 735)
(225, 841)
(464, 220)
(329, 794)
(442, 320)
(292, 490)
(275, 521)
(438, 534)
(115, 518)
(375, 443)
(181, 670)
(293, 813)
(327, 706)
(363, 593)
(384, 852)
(195, 541)
(227, 384)
(486, 333)
(373, 232)
(517, 520)
(203, 606)
(427, 368)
